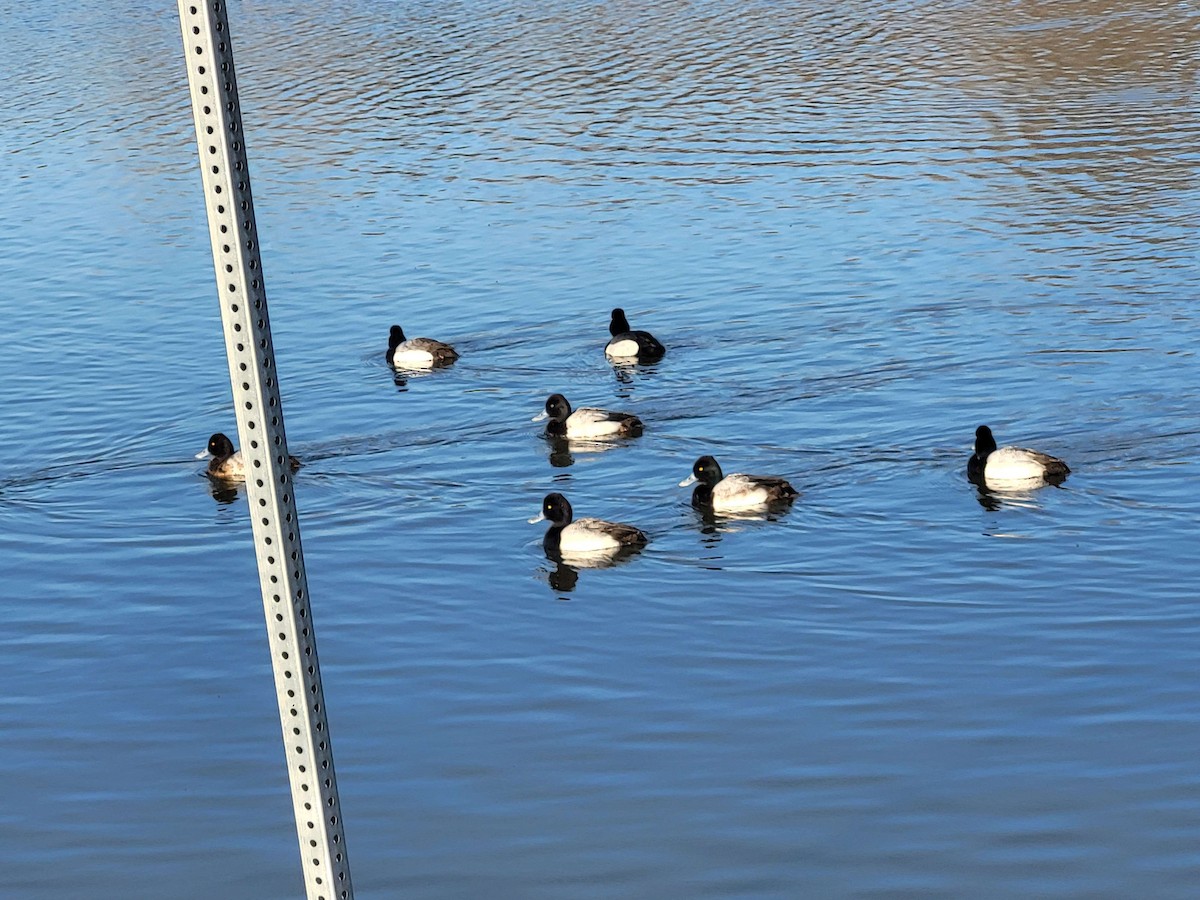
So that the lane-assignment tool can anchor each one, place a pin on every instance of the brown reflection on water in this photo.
(1063, 48)
(1088, 105)
(1063, 115)
(1071, 96)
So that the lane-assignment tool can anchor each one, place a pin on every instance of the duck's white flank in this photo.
(588, 536)
(734, 492)
(589, 422)
(621, 347)
(1015, 464)
(408, 356)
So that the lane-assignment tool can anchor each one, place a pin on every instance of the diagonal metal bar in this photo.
(235, 248)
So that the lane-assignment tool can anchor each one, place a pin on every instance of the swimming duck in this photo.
(417, 353)
(994, 466)
(565, 536)
(587, 421)
(227, 462)
(731, 493)
(628, 344)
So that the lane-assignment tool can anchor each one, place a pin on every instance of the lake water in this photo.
(861, 230)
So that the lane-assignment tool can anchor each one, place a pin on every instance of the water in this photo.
(861, 232)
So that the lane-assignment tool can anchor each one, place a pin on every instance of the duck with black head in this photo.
(627, 344)
(568, 536)
(226, 462)
(417, 353)
(587, 422)
(735, 493)
(1014, 468)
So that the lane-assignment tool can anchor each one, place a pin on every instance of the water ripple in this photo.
(861, 229)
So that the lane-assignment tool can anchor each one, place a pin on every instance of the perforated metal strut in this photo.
(226, 176)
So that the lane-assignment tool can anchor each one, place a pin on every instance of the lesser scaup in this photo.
(417, 353)
(228, 463)
(629, 344)
(587, 421)
(566, 536)
(731, 493)
(992, 467)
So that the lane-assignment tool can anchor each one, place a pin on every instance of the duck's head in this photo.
(556, 509)
(984, 442)
(558, 408)
(706, 470)
(619, 324)
(220, 446)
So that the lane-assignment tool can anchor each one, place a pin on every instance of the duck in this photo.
(992, 466)
(587, 422)
(628, 344)
(227, 463)
(417, 353)
(565, 536)
(733, 493)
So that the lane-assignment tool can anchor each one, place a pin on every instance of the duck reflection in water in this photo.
(626, 374)
(715, 525)
(401, 377)
(565, 574)
(562, 451)
(1011, 497)
(224, 492)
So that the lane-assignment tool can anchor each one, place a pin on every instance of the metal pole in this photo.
(235, 247)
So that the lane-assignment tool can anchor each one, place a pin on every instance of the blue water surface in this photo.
(861, 231)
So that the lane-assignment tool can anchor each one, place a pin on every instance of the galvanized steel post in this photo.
(235, 247)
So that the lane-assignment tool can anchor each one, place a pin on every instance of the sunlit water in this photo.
(861, 230)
